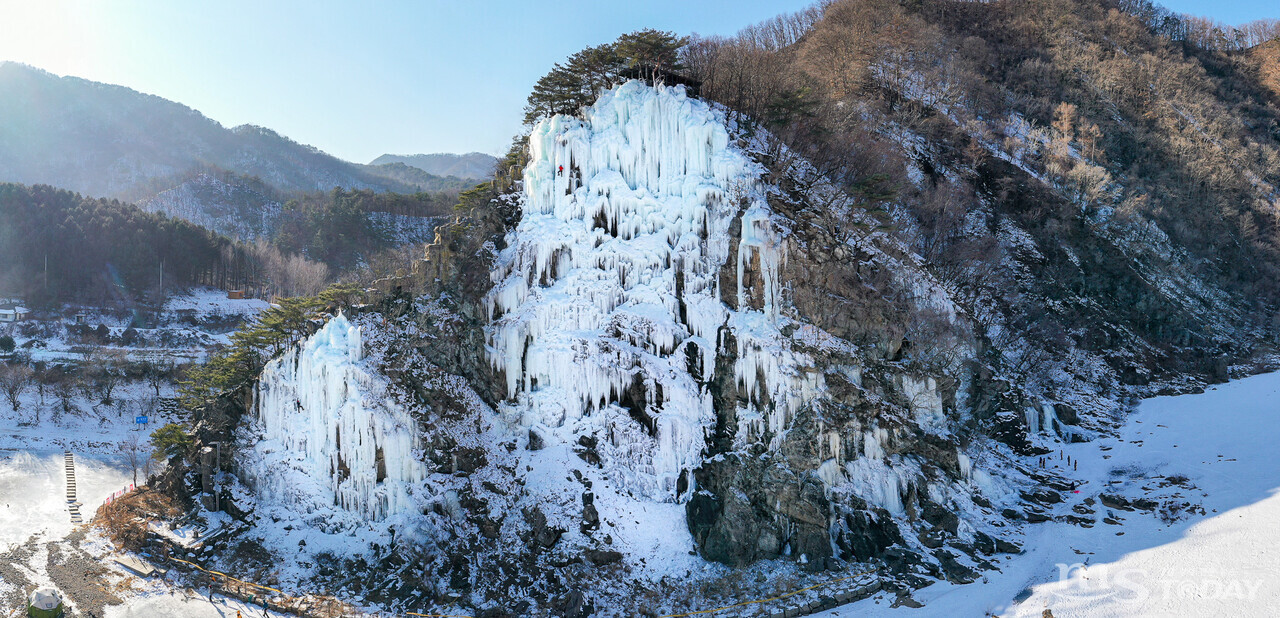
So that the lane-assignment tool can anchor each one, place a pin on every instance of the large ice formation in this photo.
(607, 302)
(328, 433)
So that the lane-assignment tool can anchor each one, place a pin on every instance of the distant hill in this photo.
(338, 227)
(111, 141)
(416, 177)
(473, 165)
(230, 204)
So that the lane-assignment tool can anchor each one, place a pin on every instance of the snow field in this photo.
(1225, 562)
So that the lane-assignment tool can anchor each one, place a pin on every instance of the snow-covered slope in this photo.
(223, 203)
(1203, 546)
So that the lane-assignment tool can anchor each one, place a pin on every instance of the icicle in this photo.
(966, 466)
(1033, 420)
(328, 432)
(585, 294)
(1051, 421)
(926, 403)
(606, 279)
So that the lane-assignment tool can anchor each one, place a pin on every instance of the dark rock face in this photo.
(1044, 497)
(1066, 413)
(542, 534)
(468, 460)
(863, 534)
(574, 605)
(991, 545)
(955, 572)
(939, 516)
(784, 511)
(600, 557)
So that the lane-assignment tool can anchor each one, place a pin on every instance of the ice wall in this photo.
(328, 435)
(606, 302)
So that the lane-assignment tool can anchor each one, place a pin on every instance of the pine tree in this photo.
(652, 52)
(576, 84)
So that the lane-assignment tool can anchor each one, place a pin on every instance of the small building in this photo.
(13, 314)
(45, 602)
(235, 294)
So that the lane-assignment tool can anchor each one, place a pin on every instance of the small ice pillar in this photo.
(966, 466)
(1051, 421)
(1033, 420)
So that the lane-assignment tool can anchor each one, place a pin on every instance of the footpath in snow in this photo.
(1218, 451)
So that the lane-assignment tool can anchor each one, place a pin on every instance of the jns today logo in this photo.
(1082, 582)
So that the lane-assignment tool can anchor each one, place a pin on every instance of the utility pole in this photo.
(161, 276)
(46, 273)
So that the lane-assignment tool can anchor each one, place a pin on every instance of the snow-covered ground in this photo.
(33, 500)
(33, 505)
(1225, 562)
(181, 331)
(37, 534)
(207, 302)
(159, 600)
(32, 471)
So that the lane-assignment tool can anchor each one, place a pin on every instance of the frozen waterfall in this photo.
(329, 435)
(607, 302)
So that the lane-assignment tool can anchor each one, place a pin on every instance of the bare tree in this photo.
(105, 373)
(306, 277)
(43, 379)
(852, 36)
(133, 452)
(65, 390)
(14, 380)
(156, 374)
(290, 275)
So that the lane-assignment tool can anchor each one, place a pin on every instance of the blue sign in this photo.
(141, 420)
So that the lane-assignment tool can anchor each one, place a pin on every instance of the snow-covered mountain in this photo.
(231, 205)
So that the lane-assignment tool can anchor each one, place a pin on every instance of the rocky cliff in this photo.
(673, 365)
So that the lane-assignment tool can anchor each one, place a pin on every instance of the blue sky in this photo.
(1226, 11)
(362, 79)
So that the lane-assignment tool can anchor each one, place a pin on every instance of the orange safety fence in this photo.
(240, 581)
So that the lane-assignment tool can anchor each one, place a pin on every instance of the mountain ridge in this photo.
(113, 141)
(472, 165)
